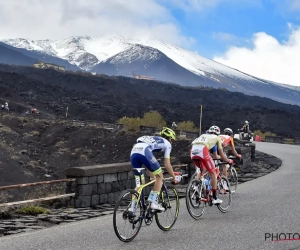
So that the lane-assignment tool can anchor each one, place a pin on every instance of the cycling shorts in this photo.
(146, 158)
(201, 157)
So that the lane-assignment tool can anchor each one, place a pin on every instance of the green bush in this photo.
(152, 119)
(33, 210)
(130, 123)
(189, 126)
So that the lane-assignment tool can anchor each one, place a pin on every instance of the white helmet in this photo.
(214, 130)
(228, 131)
(246, 122)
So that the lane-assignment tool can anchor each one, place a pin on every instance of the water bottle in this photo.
(208, 184)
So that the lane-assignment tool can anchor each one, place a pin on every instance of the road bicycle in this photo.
(165, 220)
(232, 175)
(199, 194)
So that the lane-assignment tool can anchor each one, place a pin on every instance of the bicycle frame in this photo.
(141, 192)
(208, 195)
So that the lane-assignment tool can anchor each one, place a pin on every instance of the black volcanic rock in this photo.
(107, 99)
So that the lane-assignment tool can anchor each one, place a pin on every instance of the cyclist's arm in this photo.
(167, 164)
(215, 155)
(221, 152)
(167, 161)
(233, 148)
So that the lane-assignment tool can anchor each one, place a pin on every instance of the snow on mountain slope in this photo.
(86, 52)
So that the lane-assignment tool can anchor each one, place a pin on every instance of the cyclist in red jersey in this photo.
(227, 141)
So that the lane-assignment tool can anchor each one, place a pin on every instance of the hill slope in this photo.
(110, 98)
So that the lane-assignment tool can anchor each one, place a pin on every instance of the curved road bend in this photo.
(269, 204)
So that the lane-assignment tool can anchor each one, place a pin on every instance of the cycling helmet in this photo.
(246, 122)
(228, 131)
(214, 130)
(169, 133)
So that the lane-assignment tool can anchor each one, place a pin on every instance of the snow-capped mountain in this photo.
(163, 61)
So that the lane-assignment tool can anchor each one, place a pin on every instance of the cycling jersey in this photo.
(142, 153)
(227, 140)
(208, 140)
(155, 144)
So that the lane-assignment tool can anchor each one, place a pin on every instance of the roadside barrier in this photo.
(36, 184)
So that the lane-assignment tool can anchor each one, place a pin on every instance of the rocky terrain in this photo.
(107, 99)
(34, 149)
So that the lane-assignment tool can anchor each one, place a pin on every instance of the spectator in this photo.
(174, 125)
(6, 106)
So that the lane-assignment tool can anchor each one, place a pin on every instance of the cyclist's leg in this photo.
(153, 166)
(197, 158)
(210, 167)
(136, 160)
(225, 168)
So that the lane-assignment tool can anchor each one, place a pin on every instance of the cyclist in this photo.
(227, 141)
(245, 130)
(200, 151)
(142, 154)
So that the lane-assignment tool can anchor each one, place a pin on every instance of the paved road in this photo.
(270, 204)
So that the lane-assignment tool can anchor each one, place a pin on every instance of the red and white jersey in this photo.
(226, 140)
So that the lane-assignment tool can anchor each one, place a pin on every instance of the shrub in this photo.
(33, 210)
(130, 123)
(189, 126)
(153, 119)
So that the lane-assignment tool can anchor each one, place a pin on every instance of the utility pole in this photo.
(200, 120)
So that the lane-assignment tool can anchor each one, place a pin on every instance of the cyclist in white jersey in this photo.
(142, 154)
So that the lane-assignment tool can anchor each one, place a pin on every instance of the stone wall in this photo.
(100, 184)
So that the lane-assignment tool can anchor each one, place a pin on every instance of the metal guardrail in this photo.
(36, 184)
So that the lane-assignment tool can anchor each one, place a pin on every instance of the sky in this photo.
(258, 37)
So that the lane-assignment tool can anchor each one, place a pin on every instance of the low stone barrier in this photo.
(100, 184)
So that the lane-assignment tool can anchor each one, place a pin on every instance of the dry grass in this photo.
(35, 165)
(63, 151)
(33, 210)
(8, 130)
(15, 158)
(59, 144)
(32, 133)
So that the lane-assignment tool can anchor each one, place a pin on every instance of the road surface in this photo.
(261, 207)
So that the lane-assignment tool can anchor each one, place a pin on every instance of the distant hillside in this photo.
(10, 56)
(23, 57)
(110, 98)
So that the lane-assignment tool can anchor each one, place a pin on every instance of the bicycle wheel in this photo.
(169, 199)
(223, 193)
(233, 179)
(194, 192)
(126, 223)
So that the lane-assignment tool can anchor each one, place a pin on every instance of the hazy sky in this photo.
(259, 37)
